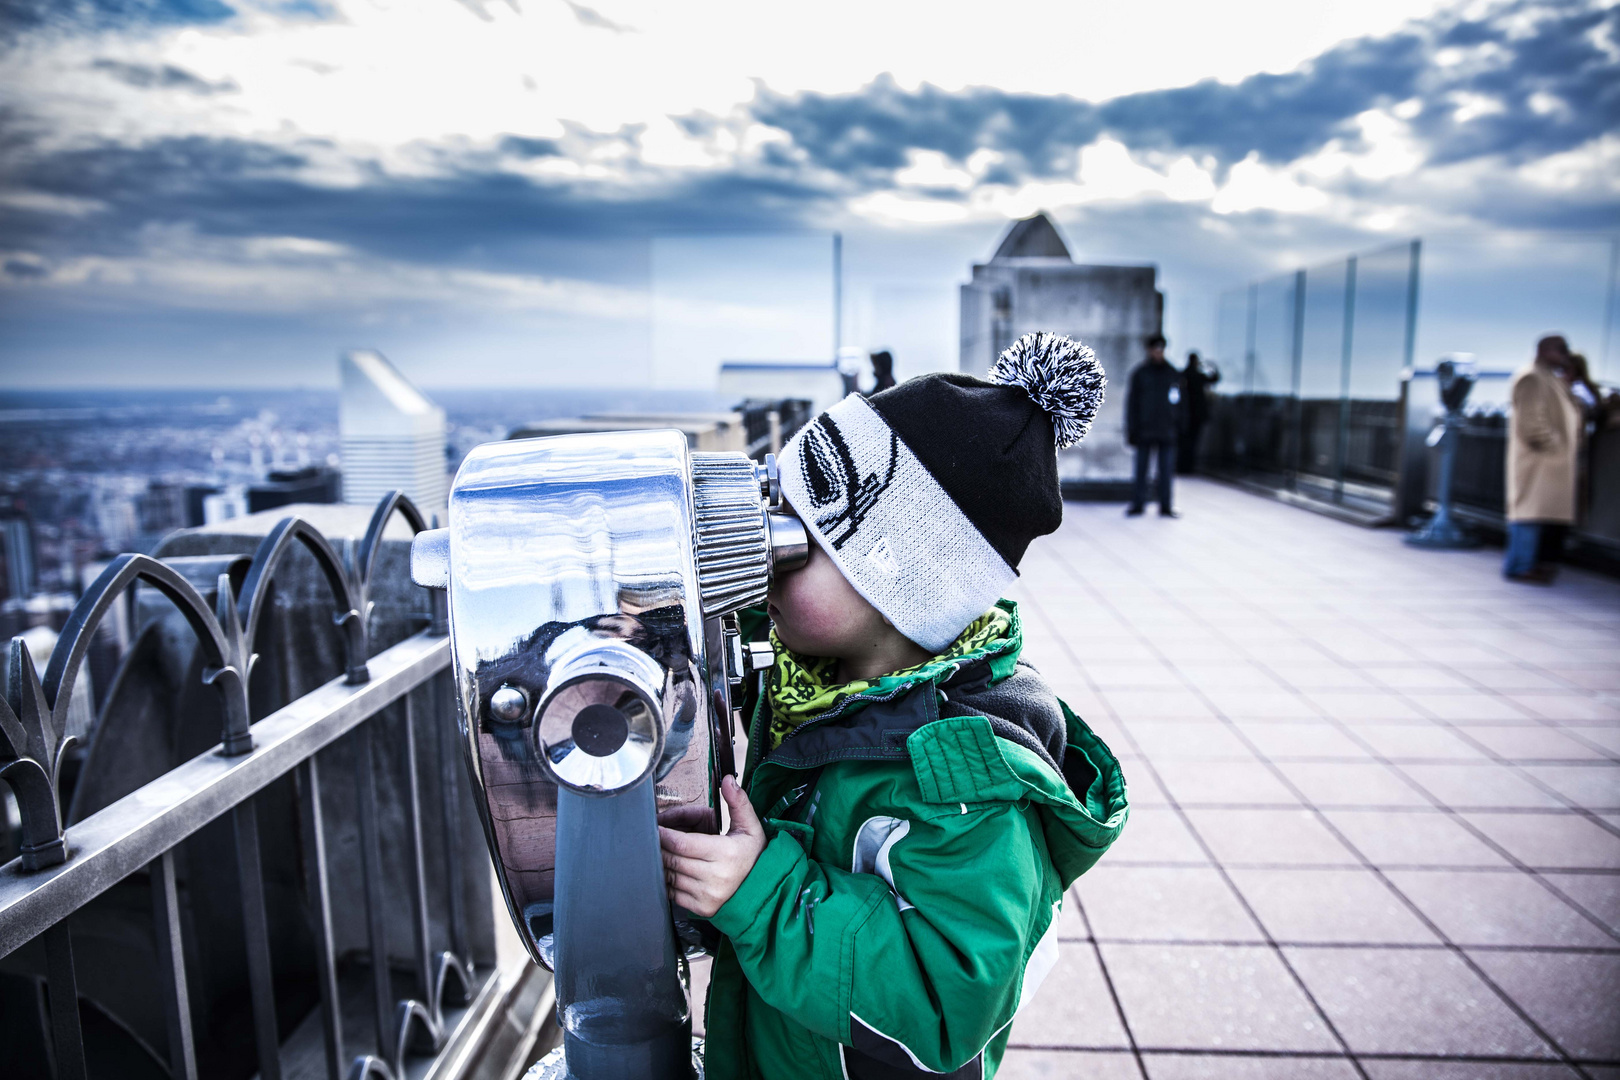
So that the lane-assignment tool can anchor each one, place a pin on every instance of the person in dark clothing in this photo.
(1152, 404)
(1196, 379)
(882, 371)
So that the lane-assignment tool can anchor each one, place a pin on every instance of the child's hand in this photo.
(703, 871)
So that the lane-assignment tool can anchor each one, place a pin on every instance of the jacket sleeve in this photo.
(920, 964)
(1534, 419)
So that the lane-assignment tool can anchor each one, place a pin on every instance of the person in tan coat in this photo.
(1544, 438)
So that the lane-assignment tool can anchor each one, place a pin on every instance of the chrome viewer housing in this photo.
(590, 581)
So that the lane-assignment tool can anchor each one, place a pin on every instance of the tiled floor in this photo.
(1376, 791)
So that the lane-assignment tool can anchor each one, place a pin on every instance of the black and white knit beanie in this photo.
(926, 495)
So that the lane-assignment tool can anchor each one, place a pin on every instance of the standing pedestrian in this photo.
(1152, 402)
(1196, 379)
(882, 371)
(1544, 438)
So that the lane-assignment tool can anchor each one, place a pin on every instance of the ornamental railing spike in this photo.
(31, 752)
(235, 738)
(253, 601)
(394, 501)
(413, 1017)
(362, 562)
(370, 1067)
(36, 710)
(33, 714)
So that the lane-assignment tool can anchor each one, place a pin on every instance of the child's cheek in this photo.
(811, 621)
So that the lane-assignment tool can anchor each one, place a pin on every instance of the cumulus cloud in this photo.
(19, 16)
(1516, 82)
(167, 151)
(162, 77)
(176, 267)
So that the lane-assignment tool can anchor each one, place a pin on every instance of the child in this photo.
(917, 800)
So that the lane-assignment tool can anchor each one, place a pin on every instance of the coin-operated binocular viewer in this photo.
(1456, 375)
(593, 582)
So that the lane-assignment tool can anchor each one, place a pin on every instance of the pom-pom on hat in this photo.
(927, 495)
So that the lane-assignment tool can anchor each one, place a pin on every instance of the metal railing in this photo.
(62, 869)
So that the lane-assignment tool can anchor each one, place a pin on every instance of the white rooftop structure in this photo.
(393, 436)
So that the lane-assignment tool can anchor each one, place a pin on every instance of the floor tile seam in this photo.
(1456, 816)
(1518, 665)
(1404, 808)
(1411, 905)
(1531, 778)
(1458, 731)
(1313, 1055)
(1108, 981)
(1467, 960)
(1416, 911)
(1065, 1048)
(1149, 585)
(1242, 900)
(1102, 963)
(1379, 1055)
(1365, 946)
(1428, 868)
(1542, 721)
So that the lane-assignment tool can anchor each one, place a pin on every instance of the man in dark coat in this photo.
(1152, 404)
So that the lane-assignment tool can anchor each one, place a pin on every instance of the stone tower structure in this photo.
(1032, 283)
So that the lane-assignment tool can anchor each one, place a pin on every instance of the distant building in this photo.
(1031, 283)
(161, 508)
(393, 436)
(223, 504)
(112, 506)
(21, 565)
(282, 487)
(196, 497)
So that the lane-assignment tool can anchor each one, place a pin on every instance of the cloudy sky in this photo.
(227, 192)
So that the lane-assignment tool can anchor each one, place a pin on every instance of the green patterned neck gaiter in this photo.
(804, 688)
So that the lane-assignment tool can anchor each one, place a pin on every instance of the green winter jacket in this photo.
(906, 903)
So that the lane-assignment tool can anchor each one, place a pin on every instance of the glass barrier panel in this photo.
(1232, 339)
(1378, 345)
(1274, 337)
(1494, 295)
(1321, 372)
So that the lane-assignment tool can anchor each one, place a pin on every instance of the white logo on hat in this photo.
(882, 557)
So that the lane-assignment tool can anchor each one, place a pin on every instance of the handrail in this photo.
(61, 870)
(33, 716)
(125, 836)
